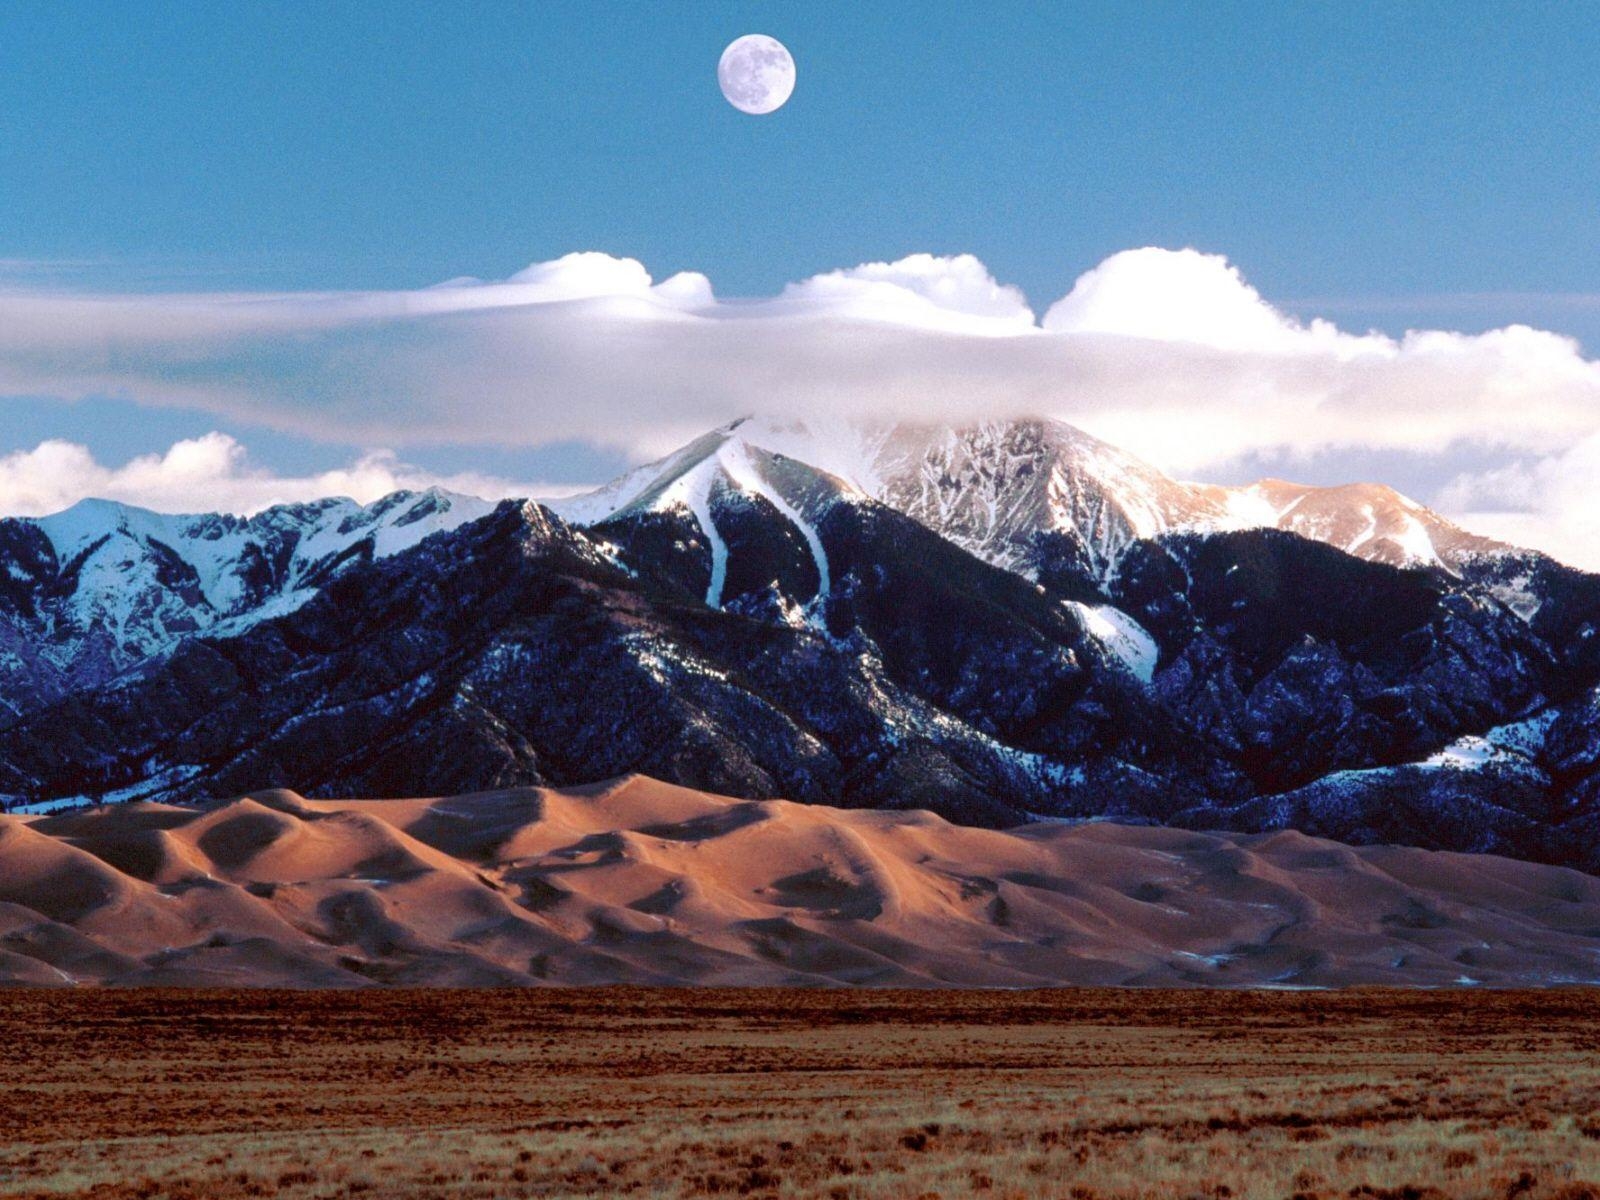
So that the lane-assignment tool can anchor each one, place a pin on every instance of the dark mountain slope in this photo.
(1296, 659)
(103, 587)
(739, 621)
(515, 651)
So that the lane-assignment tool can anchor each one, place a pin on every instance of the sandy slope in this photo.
(640, 881)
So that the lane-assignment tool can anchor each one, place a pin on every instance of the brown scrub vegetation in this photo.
(1231, 1095)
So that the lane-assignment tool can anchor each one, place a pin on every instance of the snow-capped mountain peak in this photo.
(222, 565)
(1369, 520)
(996, 486)
(708, 474)
(104, 585)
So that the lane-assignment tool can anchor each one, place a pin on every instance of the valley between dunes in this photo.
(640, 882)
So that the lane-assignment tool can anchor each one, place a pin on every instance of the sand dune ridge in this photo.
(643, 882)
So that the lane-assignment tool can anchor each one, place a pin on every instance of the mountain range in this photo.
(1001, 622)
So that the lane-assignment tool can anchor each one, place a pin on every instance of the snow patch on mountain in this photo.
(1517, 742)
(694, 491)
(995, 487)
(735, 459)
(102, 586)
(1119, 633)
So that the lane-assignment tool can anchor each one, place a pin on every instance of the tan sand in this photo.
(642, 882)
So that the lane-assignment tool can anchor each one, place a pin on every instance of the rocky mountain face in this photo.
(93, 591)
(1300, 660)
(739, 619)
(1368, 520)
(1027, 494)
(519, 649)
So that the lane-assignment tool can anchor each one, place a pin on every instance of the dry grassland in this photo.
(848, 1094)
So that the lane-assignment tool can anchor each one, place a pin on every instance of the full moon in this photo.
(756, 73)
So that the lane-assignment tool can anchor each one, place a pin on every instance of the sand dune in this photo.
(642, 882)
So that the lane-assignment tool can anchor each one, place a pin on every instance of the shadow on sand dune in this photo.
(642, 882)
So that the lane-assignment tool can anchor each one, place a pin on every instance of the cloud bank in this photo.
(1171, 354)
(1552, 503)
(213, 474)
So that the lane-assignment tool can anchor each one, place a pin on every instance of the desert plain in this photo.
(672, 1092)
(224, 1002)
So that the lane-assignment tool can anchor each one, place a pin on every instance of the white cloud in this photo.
(955, 294)
(1186, 296)
(585, 275)
(1552, 503)
(212, 474)
(1171, 354)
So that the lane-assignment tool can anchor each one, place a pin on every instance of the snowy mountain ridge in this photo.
(996, 487)
(747, 616)
(719, 469)
(103, 586)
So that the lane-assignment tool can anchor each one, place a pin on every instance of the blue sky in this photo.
(1385, 165)
(1333, 151)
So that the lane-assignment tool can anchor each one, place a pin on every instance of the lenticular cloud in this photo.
(1170, 353)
